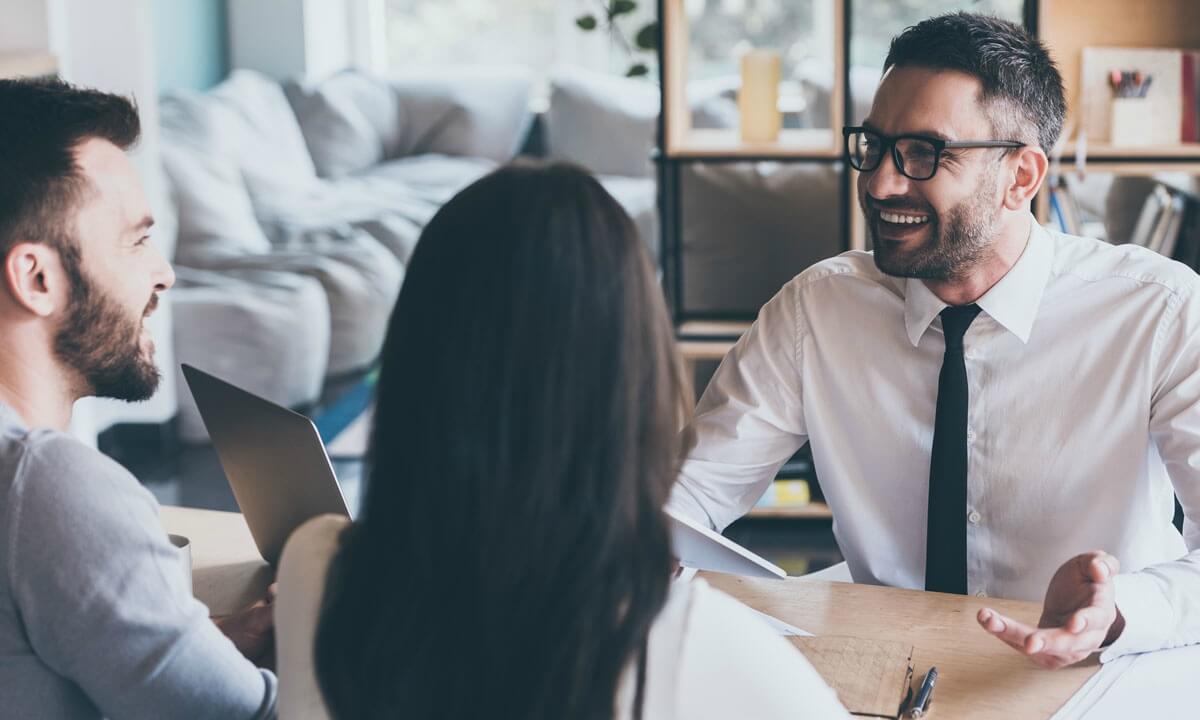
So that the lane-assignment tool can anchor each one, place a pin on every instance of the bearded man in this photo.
(993, 408)
(96, 616)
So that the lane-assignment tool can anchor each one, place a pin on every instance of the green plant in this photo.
(645, 40)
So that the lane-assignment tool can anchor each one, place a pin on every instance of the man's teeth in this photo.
(903, 219)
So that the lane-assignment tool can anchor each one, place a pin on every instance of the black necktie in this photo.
(946, 536)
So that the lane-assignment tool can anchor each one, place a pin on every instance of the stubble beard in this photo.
(103, 346)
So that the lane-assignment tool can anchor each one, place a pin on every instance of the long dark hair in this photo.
(512, 553)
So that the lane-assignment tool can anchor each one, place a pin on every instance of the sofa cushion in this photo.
(480, 113)
(605, 123)
(271, 135)
(350, 121)
(263, 330)
(215, 214)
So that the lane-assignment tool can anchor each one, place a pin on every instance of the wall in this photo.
(191, 43)
(294, 38)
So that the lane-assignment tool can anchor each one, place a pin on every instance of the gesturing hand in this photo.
(1078, 618)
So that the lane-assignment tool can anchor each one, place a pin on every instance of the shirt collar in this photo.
(1013, 301)
(10, 417)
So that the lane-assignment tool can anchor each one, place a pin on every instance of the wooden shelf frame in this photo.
(1068, 26)
(815, 510)
(683, 142)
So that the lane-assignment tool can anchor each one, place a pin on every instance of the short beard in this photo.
(956, 248)
(98, 341)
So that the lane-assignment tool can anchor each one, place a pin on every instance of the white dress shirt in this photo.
(708, 657)
(1083, 380)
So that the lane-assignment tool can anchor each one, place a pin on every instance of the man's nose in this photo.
(886, 180)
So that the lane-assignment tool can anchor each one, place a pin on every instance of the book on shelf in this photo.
(786, 493)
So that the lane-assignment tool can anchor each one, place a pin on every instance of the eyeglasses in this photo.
(916, 156)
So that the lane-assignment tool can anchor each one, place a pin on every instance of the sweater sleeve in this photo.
(103, 595)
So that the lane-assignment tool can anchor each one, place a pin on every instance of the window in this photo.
(538, 34)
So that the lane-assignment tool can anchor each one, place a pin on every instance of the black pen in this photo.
(921, 704)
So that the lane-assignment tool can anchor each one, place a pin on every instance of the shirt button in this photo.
(974, 517)
(980, 593)
(970, 435)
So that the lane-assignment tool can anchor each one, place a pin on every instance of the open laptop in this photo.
(281, 476)
(273, 457)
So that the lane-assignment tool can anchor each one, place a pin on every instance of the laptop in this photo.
(273, 458)
(281, 477)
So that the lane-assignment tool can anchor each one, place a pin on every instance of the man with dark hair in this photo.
(993, 408)
(96, 617)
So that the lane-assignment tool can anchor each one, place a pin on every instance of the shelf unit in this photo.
(680, 144)
(815, 510)
(1067, 27)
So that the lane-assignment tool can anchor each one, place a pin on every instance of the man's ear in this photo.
(33, 275)
(1027, 178)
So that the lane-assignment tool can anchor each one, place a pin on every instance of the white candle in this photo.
(758, 100)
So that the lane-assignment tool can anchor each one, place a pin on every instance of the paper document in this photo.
(871, 677)
(698, 547)
(1152, 685)
(781, 627)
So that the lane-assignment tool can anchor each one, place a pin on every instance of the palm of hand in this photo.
(1079, 615)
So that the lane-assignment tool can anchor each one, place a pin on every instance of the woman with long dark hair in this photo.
(512, 559)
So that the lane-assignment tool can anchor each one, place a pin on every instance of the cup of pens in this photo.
(1129, 124)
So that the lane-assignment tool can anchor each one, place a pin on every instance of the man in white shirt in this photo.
(993, 408)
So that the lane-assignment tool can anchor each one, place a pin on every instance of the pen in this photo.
(921, 704)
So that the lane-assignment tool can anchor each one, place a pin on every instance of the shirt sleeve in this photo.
(104, 599)
(749, 421)
(303, 569)
(732, 665)
(1161, 603)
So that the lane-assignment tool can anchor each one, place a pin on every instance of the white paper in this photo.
(781, 627)
(1159, 684)
(699, 547)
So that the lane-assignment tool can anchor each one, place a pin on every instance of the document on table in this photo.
(870, 677)
(1152, 685)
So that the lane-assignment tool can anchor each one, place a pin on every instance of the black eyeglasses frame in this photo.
(939, 146)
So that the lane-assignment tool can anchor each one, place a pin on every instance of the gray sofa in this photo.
(299, 206)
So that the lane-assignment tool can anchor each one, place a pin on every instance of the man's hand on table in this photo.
(252, 629)
(1079, 617)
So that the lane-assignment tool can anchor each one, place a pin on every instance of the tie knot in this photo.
(955, 321)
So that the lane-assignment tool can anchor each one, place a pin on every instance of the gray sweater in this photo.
(95, 614)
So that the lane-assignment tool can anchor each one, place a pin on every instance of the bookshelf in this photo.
(1068, 26)
(815, 510)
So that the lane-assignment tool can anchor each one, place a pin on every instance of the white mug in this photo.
(185, 549)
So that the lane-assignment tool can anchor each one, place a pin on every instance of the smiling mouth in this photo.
(895, 218)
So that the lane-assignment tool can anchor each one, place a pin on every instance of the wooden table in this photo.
(980, 678)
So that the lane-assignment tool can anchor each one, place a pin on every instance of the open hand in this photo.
(252, 629)
(1079, 616)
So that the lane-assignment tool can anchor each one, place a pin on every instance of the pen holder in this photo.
(1130, 124)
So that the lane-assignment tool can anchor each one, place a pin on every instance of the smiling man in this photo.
(993, 408)
(96, 616)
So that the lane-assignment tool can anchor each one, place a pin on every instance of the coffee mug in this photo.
(185, 549)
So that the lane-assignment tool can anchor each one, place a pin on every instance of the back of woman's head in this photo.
(512, 551)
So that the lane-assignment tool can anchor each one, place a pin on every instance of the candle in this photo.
(758, 100)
